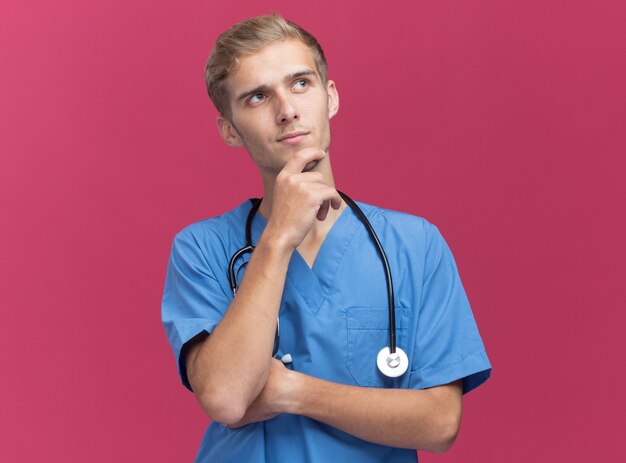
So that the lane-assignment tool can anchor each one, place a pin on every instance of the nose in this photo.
(285, 110)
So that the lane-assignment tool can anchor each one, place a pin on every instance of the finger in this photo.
(299, 160)
(311, 177)
(323, 211)
(331, 195)
(326, 194)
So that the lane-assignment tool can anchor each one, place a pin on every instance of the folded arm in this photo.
(228, 369)
(427, 419)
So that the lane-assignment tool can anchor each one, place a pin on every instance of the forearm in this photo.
(229, 369)
(419, 419)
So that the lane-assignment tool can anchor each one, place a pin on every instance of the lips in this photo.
(293, 137)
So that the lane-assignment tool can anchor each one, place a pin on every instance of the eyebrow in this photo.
(264, 88)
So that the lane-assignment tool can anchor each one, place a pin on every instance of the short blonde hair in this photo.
(248, 37)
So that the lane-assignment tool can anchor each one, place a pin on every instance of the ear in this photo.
(228, 132)
(333, 99)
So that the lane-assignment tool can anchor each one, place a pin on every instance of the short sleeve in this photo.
(193, 301)
(448, 345)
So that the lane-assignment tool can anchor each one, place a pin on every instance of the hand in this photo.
(274, 397)
(300, 197)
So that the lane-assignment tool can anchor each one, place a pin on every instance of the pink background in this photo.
(504, 123)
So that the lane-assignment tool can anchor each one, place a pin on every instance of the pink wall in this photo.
(504, 123)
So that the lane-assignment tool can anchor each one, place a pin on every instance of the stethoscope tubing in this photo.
(392, 312)
(256, 202)
(232, 278)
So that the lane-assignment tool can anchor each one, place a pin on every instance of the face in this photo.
(279, 105)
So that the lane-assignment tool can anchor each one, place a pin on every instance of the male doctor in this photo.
(316, 269)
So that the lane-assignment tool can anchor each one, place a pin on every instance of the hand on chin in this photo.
(310, 166)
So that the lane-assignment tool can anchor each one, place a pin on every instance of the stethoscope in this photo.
(392, 361)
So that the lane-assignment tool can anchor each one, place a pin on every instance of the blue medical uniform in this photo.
(334, 321)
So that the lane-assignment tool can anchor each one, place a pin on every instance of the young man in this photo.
(311, 390)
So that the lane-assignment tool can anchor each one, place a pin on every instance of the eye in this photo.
(256, 98)
(301, 84)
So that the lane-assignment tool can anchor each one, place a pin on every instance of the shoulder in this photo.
(402, 223)
(410, 233)
(214, 233)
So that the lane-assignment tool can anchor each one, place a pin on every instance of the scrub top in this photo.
(333, 322)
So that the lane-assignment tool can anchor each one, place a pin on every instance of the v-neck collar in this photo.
(314, 284)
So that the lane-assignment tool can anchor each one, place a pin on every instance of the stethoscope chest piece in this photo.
(392, 365)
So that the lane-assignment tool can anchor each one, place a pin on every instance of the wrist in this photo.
(295, 386)
(275, 241)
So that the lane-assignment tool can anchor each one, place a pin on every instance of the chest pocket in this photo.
(367, 334)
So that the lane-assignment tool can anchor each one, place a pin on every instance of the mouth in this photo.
(292, 138)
